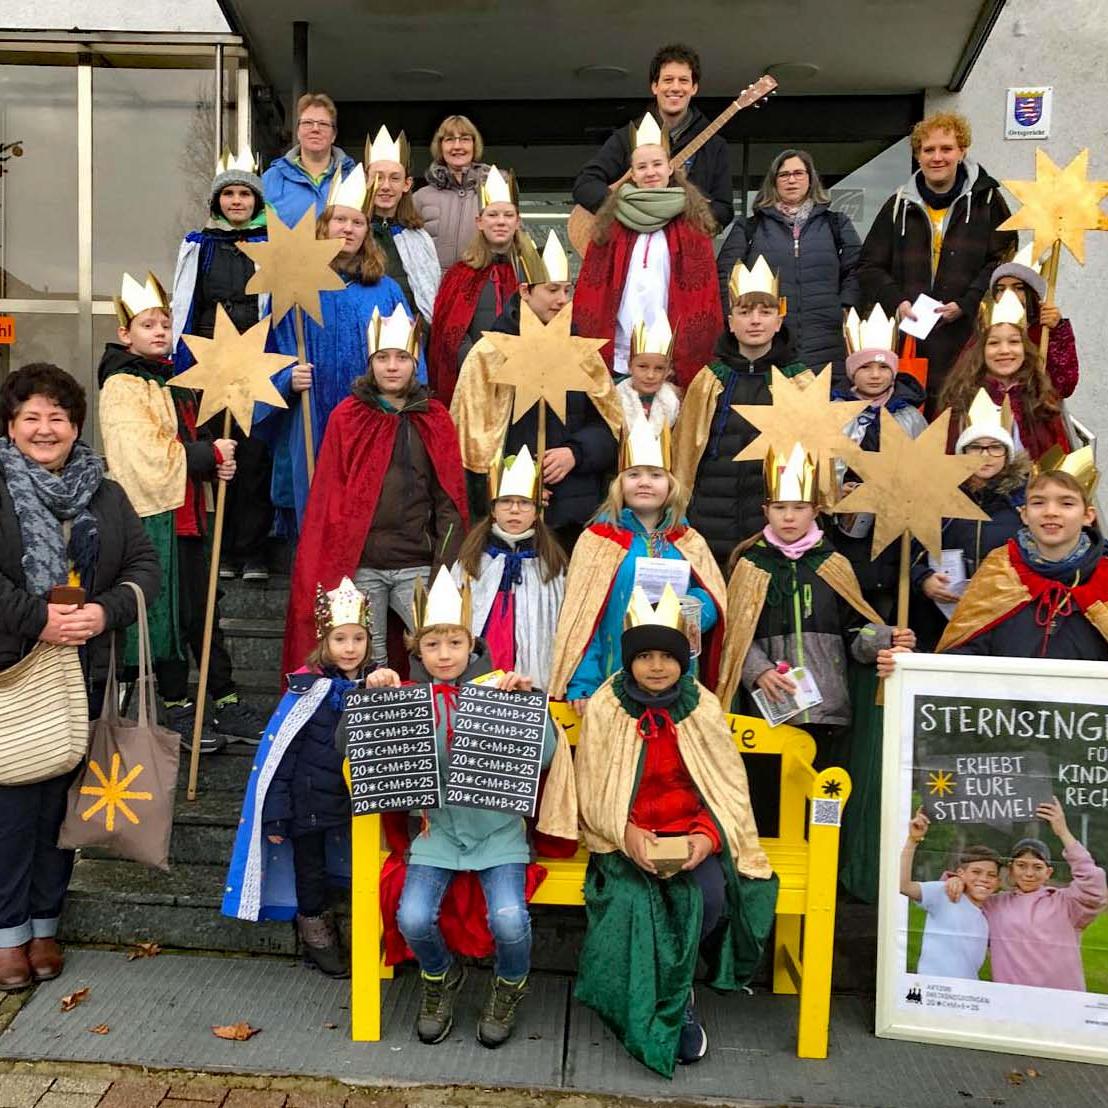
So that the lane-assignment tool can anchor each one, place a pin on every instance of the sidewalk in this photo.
(159, 1013)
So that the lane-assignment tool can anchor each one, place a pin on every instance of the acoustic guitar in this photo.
(581, 220)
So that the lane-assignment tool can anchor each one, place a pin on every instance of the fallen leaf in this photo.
(239, 1032)
(1032, 1073)
(330, 1026)
(144, 950)
(1014, 1078)
(70, 1002)
(100, 1029)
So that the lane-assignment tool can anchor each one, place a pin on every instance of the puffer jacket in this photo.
(815, 271)
(448, 209)
(290, 190)
(726, 504)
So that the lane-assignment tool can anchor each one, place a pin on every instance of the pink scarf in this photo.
(798, 548)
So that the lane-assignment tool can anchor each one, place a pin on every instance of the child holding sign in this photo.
(455, 840)
(297, 785)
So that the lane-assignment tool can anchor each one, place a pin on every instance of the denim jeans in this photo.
(509, 920)
(388, 588)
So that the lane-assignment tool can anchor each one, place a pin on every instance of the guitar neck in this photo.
(763, 87)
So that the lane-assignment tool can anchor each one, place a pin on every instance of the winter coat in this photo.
(469, 838)
(816, 273)
(288, 188)
(308, 792)
(806, 623)
(449, 209)
(709, 170)
(726, 503)
(896, 260)
(125, 554)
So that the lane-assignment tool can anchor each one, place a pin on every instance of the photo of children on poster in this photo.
(1002, 899)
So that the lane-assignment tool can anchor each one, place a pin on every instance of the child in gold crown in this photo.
(296, 812)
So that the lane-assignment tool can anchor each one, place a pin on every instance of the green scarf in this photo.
(646, 210)
(218, 223)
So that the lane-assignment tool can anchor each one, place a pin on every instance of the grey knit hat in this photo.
(231, 170)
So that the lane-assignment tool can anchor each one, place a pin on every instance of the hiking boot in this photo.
(231, 717)
(499, 1015)
(255, 570)
(436, 1008)
(692, 1044)
(320, 943)
(182, 719)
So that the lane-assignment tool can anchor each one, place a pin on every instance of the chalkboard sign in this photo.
(995, 788)
(390, 742)
(496, 755)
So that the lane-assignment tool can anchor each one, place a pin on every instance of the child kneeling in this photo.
(454, 840)
(647, 923)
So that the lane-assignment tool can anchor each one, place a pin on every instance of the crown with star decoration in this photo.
(134, 298)
(393, 332)
(339, 607)
(792, 479)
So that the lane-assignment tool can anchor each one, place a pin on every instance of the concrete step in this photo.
(255, 599)
(225, 771)
(260, 688)
(254, 643)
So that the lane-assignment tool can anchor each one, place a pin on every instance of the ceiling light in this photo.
(419, 75)
(600, 73)
(792, 71)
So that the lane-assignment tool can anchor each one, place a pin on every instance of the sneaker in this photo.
(320, 943)
(436, 1008)
(227, 571)
(231, 717)
(182, 719)
(692, 1044)
(255, 570)
(499, 1014)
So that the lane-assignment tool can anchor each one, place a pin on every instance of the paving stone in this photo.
(95, 1086)
(255, 1098)
(68, 1100)
(199, 1089)
(298, 1099)
(135, 1094)
(22, 1090)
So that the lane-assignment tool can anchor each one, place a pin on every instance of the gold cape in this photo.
(592, 569)
(994, 590)
(138, 423)
(607, 763)
(746, 593)
(481, 410)
(694, 426)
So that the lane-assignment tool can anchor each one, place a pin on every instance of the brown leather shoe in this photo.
(46, 959)
(15, 970)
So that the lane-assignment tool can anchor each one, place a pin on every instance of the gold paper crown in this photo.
(791, 480)
(551, 265)
(514, 476)
(640, 446)
(339, 607)
(641, 613)
(759, 278)
(877, 332)
(244, 163)
(134, 298)
(384, 148)
(444, 604)
(656, 339)
(648, 133)
(983, 413)
(393, 332)
(1025, 257)
(498, 189)
(352, 191)
(1080, 465)
(1007, 308)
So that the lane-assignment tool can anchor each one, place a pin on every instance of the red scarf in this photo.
(355, 455)
(455, 306)
(693, 306)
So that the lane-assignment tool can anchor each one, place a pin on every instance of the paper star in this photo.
(294, 267)
(911, 485)
(1059, 205)
(543, 362)
(233, 370)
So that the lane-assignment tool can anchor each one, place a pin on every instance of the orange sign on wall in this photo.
(7, 330)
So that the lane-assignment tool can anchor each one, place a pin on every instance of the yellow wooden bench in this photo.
(807, 866)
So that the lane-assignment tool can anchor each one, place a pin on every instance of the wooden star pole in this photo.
(233, 373)
(294, 267)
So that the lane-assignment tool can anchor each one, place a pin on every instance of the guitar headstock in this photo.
(758, 93)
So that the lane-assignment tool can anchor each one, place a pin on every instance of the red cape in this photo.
(455, 305)
(356, 452)
(693, 307)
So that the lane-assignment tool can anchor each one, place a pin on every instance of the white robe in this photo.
(645, 292)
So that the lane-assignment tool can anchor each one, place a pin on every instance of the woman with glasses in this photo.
(812, 249)
(447, 204)
(302, 176)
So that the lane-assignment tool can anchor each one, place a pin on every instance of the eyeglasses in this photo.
(992, 449)
(791, 174)
(316, 125)
(457, 138)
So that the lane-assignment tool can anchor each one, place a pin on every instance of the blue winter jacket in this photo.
(288, 188)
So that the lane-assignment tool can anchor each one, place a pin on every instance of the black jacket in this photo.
(125, 554)
(727, 496)
(594, 447)
(816, 274)
(710, 169)
(308, 792)
(223, 281)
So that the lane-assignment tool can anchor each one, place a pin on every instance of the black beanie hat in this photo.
(654, 636)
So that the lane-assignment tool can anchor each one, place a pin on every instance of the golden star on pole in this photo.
(911, 485)
(233, 370)
(543, 362)
(1059, 205)
(294, 267)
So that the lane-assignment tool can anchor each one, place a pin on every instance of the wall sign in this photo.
(1027, 115)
